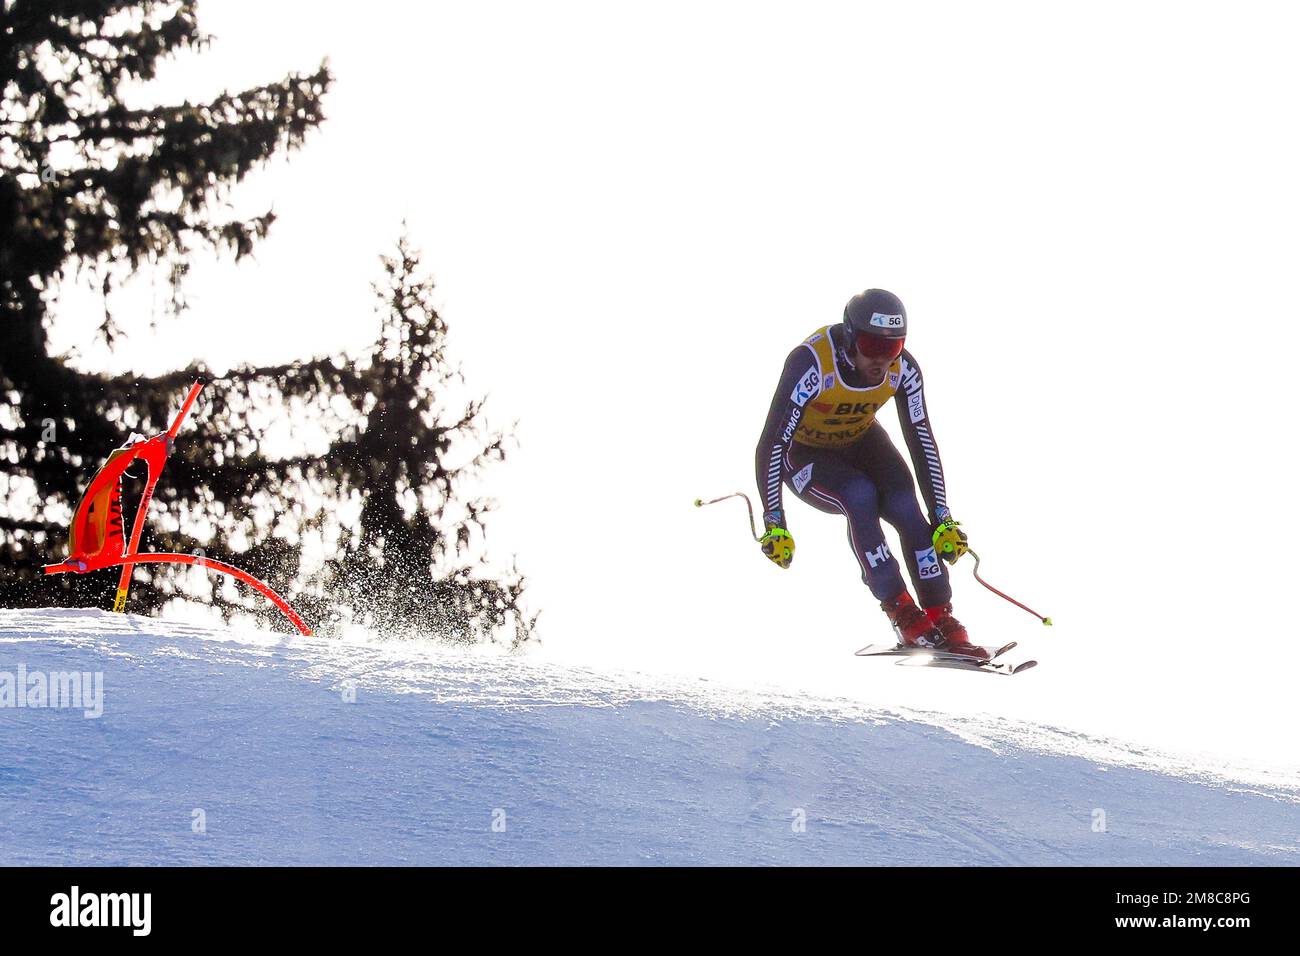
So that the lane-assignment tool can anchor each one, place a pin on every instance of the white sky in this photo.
(634, 211)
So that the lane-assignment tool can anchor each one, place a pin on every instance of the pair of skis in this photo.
(938, 657)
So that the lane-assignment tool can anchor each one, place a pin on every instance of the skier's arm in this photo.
(914, 418)
(800, 382)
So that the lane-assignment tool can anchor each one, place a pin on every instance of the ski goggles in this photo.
(877, 346)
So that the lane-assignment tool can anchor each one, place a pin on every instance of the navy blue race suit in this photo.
(862, 477)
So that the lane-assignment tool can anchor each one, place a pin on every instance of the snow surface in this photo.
(581, 765)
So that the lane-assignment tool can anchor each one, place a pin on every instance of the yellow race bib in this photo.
(839, 414)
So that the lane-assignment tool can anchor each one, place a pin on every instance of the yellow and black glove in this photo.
(950, 541)
(777, 543)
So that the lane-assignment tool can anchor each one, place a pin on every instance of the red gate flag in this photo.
(96, 539)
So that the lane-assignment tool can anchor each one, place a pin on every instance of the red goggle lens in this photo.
(877, 347)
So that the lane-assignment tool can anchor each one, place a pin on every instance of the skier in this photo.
(822, 439)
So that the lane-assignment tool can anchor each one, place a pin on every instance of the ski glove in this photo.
(950, 540)
(777, 543)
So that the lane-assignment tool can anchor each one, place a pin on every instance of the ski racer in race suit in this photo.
(822, 439)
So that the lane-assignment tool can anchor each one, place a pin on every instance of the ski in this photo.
(937, 657)
(970, 664)
(888, 650)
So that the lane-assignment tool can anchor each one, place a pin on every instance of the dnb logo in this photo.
(916, 406)
(802, 477)
(927, 564)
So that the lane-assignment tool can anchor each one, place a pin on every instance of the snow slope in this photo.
(466, 758)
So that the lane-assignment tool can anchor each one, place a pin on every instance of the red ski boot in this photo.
(954, 633)
(913, 627)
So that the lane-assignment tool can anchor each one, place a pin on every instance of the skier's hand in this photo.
(777, 543)
(950, 540)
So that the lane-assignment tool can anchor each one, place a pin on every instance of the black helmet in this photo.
(875, 324)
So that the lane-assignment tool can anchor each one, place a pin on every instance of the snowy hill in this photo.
(224, 747)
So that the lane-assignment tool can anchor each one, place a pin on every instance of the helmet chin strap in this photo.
(846, 349)
(846, 361)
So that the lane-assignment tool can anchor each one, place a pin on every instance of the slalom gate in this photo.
(95, 537)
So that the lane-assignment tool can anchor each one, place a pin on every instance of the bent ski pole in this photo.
(735, 494)
(1045, 620)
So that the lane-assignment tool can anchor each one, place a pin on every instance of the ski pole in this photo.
(976, 570)
(735, 494)
(1045, 620)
